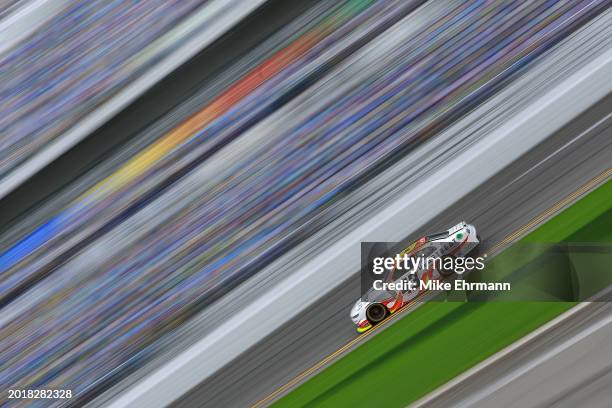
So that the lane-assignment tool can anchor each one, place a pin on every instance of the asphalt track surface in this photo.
(506, 203)
(313, 335)
(561, 367)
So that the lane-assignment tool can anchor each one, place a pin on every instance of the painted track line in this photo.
(542, 330)
(520, 232)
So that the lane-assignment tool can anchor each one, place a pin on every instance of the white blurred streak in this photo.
(275, 304)
(26, 19)
(205, 25)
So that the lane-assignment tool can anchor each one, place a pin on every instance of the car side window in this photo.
(427, 251)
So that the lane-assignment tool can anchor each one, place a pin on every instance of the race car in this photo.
(376, 305)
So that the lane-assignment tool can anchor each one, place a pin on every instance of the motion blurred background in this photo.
(156, 155)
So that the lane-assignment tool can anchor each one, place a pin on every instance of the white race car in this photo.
(376, 305)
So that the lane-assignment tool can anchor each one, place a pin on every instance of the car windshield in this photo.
(427, 251)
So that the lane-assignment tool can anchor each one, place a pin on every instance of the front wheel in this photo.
(376, 313)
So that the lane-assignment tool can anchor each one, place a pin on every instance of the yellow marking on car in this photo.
(410, 305)
(364, 329)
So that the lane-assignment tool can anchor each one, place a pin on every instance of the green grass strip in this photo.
(587, 220)
(438, 341)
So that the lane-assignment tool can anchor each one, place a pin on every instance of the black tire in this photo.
(376, 313)
(445, 271)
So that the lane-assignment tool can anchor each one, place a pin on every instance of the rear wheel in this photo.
(376, 313)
